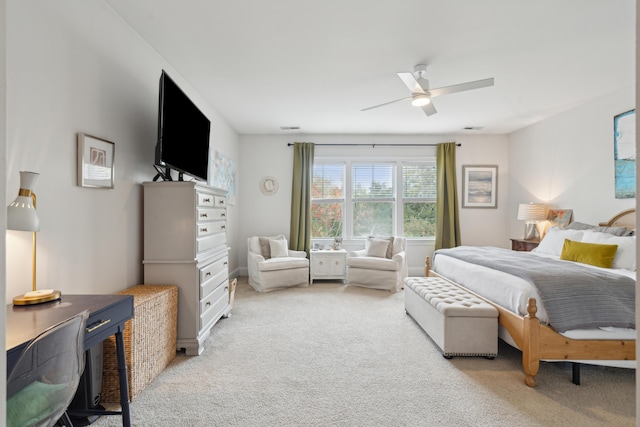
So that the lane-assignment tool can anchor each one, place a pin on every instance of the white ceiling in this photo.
(263, 64)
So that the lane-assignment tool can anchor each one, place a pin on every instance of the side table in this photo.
(329, 264)
(524, 245)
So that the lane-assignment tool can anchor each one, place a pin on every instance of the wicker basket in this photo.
(149, 340)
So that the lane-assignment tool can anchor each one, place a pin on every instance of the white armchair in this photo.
(382, 264)
(273, 266)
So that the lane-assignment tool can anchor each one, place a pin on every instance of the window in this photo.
(327, 200)
(419, 199)
(356, 199)
(373, 199)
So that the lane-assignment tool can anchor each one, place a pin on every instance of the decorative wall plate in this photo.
(269, 185)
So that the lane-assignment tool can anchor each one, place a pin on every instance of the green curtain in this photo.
(300, 232)
(447, 216)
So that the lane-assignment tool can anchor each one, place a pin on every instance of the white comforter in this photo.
(513, 293)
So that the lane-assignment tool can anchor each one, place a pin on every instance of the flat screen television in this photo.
(183, 134)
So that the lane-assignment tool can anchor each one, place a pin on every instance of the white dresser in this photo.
(185, 244)
(330, 264)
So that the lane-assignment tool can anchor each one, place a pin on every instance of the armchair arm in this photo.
(297, 254)
(255, 258)
(399, 257)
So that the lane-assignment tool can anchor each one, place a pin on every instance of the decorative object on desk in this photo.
(269, 185)
(337, 243)
(95, 162)
(23, 216)
(479, 186)
(532, 214)
(624, 138)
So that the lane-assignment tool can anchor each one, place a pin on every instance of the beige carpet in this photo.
(335, 355)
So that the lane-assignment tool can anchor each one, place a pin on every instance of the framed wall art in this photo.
(624, 149)
(95, 161)
(479, 186)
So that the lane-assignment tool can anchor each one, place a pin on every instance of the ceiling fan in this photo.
(421, 94)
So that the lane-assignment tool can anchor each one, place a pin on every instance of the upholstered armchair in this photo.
(272, 265)
(382, 264)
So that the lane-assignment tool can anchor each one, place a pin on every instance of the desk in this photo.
(107, 314)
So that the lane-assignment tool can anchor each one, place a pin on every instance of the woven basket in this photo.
(149, 340)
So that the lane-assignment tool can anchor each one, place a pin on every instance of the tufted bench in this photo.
(458, 322)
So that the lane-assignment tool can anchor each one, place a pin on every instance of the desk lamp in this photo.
(531, 213)
(22, 215)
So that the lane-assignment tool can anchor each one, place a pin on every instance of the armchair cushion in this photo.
(283, 263)
(377, 248)
(278, 248)
(265, 247)
(374, 263)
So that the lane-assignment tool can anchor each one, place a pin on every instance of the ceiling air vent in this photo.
(473, 127)
(289, 127)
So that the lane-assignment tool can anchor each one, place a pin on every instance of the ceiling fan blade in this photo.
(460, 87)
(387, 103)
(429, 109)
(410, 81)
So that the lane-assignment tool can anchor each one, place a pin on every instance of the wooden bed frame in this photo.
(537, 341)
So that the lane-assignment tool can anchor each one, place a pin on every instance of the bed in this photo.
(523, 318)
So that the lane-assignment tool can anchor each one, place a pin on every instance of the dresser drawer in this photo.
(206, 199)
(221, 202)
(207, 228)
(210, 242)
(210, 214)
(214, 303)
(207, 287)
(210, 270)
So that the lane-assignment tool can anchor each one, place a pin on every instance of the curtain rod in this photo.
(380, 145)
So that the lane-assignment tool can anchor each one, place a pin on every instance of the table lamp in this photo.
(22, 215)
(531, 213)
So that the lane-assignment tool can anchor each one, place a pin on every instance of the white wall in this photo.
(269, 155)
(567, 161)
(78, 67)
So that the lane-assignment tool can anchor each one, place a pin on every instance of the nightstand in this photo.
(524, 245)
(331, 264)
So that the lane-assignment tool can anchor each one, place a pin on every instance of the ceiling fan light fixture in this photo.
(420, 100)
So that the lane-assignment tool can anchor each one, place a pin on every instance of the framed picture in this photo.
(95, 161)
(624, 149)
(479, 186)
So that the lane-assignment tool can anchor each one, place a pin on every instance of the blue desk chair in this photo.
(46, 376)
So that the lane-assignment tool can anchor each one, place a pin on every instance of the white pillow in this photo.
(278, 248)
(553, 241)
(625, 255)
(377, 248)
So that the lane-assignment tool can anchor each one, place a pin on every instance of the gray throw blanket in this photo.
(574, 296)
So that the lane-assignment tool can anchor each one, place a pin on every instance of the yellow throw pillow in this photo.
(589, 253)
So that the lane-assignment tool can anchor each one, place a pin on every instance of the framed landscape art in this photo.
(479, 186)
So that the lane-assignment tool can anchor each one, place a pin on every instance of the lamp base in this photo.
(529, 231)
(37, 297)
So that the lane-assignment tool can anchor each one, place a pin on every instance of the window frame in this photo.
(398, 199)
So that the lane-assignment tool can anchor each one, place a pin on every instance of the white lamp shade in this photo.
(21, 213)
(532, 212)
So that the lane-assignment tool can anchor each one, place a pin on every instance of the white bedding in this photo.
(513, 293)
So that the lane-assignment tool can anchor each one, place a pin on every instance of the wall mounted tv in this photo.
(183, 134)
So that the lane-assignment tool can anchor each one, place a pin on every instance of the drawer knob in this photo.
(207, 200)
(208, 274)
(223, 227)
(223, 215)
(225, 263)
(204, 230)
(204, 215)
(208, 303)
